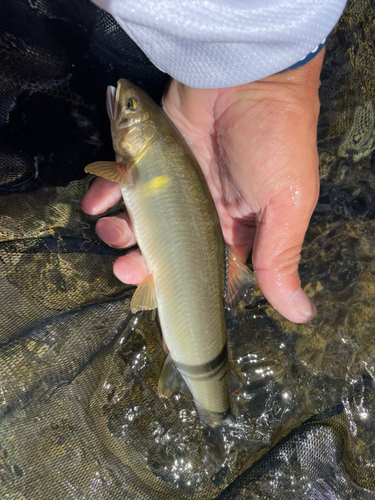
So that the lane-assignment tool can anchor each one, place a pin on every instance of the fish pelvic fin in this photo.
(113, 171)
(144, 298)
(238, 279)
(171, 380)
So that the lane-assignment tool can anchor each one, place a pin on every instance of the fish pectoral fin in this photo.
(111, 170)
(234, 385)
(239, 278)
(144, 298)
(171, 380)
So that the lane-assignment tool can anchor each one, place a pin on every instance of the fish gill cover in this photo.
(79, 412)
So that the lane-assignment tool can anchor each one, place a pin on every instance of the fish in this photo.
(193, 276)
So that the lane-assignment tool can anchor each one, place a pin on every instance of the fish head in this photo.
(132, 114)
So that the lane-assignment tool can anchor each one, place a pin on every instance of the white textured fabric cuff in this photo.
(222, 43)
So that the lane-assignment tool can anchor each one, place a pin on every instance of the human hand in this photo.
(256, 145)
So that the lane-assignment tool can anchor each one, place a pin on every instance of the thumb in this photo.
(278, 241)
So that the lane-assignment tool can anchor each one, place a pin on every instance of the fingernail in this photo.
(304, 304)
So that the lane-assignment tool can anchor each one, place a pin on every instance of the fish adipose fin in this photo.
(112, 170)
(238, 279)
(171, 380)
(144, 298)
(234, 385)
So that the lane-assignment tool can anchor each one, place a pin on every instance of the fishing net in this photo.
(79, 413)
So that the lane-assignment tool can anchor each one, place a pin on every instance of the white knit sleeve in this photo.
(222, 43)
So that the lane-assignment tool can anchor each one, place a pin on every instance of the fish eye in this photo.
(132, 104)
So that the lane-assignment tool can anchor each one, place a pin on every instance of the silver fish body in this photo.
(178, 231)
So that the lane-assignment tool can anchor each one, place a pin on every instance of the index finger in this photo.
(101, 196)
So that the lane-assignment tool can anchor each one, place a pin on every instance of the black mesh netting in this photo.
(79, 413)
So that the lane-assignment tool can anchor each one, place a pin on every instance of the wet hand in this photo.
(256, 145)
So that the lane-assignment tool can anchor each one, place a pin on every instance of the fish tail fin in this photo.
(214, 456)
(220, 439)
(216, 436)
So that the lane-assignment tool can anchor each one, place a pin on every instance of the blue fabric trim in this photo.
(307, 58)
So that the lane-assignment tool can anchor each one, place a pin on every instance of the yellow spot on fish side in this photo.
(156, 185)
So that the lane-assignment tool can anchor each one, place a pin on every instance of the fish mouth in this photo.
(113, 104)
(113, 97)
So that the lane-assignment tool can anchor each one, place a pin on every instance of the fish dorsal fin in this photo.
(144, 298)
(238, 279)
(171, 380)
(112, 170)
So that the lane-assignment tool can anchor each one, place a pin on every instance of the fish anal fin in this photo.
(111, 170)
(171, 380)
(238, 279)
(144, 298)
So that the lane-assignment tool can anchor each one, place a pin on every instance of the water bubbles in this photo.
(264, 372)
(363, 414)
(134, 322)
(187, 416)
(132, 413)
